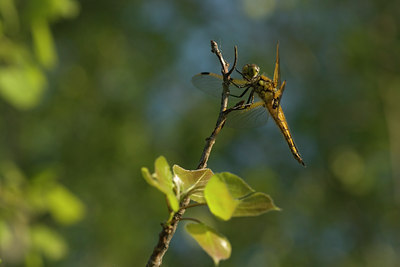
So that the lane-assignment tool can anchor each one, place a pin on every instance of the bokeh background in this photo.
(91, 91)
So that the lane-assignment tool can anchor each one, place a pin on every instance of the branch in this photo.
(168, 230)
(224, 104)
(193, 205)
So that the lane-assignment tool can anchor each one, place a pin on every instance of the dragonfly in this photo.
(253, 113)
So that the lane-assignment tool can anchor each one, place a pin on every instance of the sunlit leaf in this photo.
(5, 233)
(229, 196)
(216, 245)
(163, 171)
(193, 180)
(236, 185)
(45, 194)
(48, 242)
(162, 180)
(149, 178)
(22, 86)
(64, 206)
(254, 204)
(173, 201)
(219, 198)
(43, 42)
(65, 8)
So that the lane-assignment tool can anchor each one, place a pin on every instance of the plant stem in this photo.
(224, 104)
(168, 230)
(193, 205)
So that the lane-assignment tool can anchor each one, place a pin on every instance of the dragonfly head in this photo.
(250, 71)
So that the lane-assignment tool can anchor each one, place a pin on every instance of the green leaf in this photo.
(43, 43)
(46, 195)
(162, 180)
(216, 245)
(237, 187)
(254, 204)
(65, 8)
(162, 170)
(229, 196)
(219, 199)
(49, 242)
(194, 181)
(64, 206)
(6, 234)
(22, 86)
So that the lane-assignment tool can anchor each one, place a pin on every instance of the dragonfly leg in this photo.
(238, 106)
(239, 72)
(244, 77)
(242, 94)
(278, 96)
(245, 106)
(237, 85)
(251, 98)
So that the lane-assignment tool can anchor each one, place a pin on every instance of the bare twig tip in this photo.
(214, 46)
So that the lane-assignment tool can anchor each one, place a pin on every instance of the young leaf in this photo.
(216, 245)
(229, 196)
(194, 180)
(219, 198)
(254, 204)
(162, 180)
(163, 170)
(237, 187)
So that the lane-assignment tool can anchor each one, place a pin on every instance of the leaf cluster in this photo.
(225, 194)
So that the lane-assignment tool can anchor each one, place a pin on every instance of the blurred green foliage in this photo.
(26, 52)
(27, 47)
(119, 94)
(25, 234)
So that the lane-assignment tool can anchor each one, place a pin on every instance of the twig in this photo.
(165, 236)
(193, 205)
(224, 104)
(168, 230)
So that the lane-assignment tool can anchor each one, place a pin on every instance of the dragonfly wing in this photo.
(277, 72)
(255, 115)
(211, 84)
(279, 86)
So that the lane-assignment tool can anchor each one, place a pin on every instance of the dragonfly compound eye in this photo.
(255, 70)
(250, 71)
(245, 70)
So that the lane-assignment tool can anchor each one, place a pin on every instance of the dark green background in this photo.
(118, 95)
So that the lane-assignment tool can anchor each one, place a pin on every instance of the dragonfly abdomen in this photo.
(280, 120)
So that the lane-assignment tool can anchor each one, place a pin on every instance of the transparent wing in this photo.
(277, 71)
(279, 86)
(211, 84)
(255, 115)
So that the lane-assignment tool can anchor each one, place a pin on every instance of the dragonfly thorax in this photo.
(250, 71)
